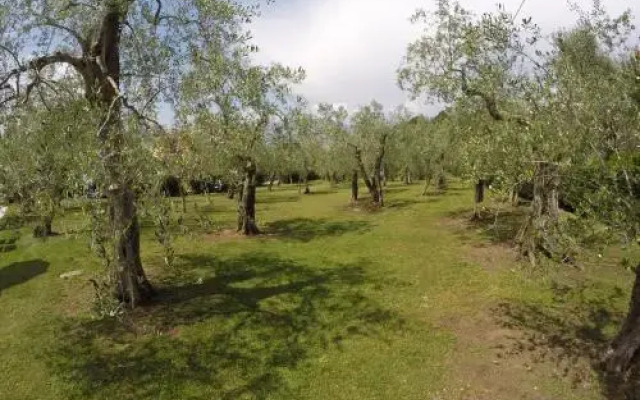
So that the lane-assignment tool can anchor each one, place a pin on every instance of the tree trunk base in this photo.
(42, 232)
(623, 356)
(250, 229)
(247, 202)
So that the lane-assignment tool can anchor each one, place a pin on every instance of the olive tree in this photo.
(370, 137)
(43, 153)
(493, 63)
(598, 81)
(234, 103)
(130, 56)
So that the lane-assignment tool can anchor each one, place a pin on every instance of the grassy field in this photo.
(332, 302)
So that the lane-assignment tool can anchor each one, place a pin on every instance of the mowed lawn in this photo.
(332, 302)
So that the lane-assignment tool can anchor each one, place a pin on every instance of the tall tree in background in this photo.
(234, 104)
(371, 132)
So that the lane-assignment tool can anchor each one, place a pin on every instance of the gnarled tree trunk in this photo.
(375, 183)
(441, 184)
(407, 176)
(247, 201)
(354, 186)
(378, 183)
(427, 183)
(272, 177)
(44, 228)
(478, 198)
(534, 236)
(625, 347)
(307, 188)
(132, 285)
(370, 184)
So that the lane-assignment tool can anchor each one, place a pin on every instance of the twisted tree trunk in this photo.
(307, 188)
(373, 190)
(272, 177)
(247, 201)
(534, 236)
(375, 183)
(407, 176)
(354, 186)
(44, 228)
(478, 198)
(427, 183)
(625, 348)
(102, 73)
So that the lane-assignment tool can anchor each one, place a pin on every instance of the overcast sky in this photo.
(352, 48)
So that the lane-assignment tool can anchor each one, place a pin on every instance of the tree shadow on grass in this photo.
(501, 230)
(237, 334)
(306, 229)
(572, 333)
(21, 272)
(397, 189)
(323, 191)
(397, 204)
(277, 199)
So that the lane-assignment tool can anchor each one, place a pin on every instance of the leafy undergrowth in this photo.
(331, 302)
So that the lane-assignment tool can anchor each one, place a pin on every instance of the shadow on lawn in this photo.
(21, 272)
(305, 229)
(397, 204)
(501, 230)
(324, 191)
(396, 189)
(573, 332)
(277, 199)
(234, 335)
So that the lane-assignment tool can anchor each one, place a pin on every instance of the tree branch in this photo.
(36, 81)
(13, 54)
(489, 102)
(72, 4)
(156, 18)
(84, 43)
(141, 117)
(37, 65)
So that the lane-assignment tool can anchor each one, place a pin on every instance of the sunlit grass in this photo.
(331, 302)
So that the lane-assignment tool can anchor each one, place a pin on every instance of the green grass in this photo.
(330, 303)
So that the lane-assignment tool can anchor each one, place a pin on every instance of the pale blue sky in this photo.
(351, 49)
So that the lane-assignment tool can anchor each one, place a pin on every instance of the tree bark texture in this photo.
(625, 348)
(375, 183)
(102, 77)
(354, 186)
(534, 237)
(247, 202)
(373, 190)
(44, 228)
(478, 198)
(407, 176)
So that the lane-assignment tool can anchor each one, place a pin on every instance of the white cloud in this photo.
(352, 48)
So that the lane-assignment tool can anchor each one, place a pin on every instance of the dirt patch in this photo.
(493, 362)
(496, 360)
(489, 255)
